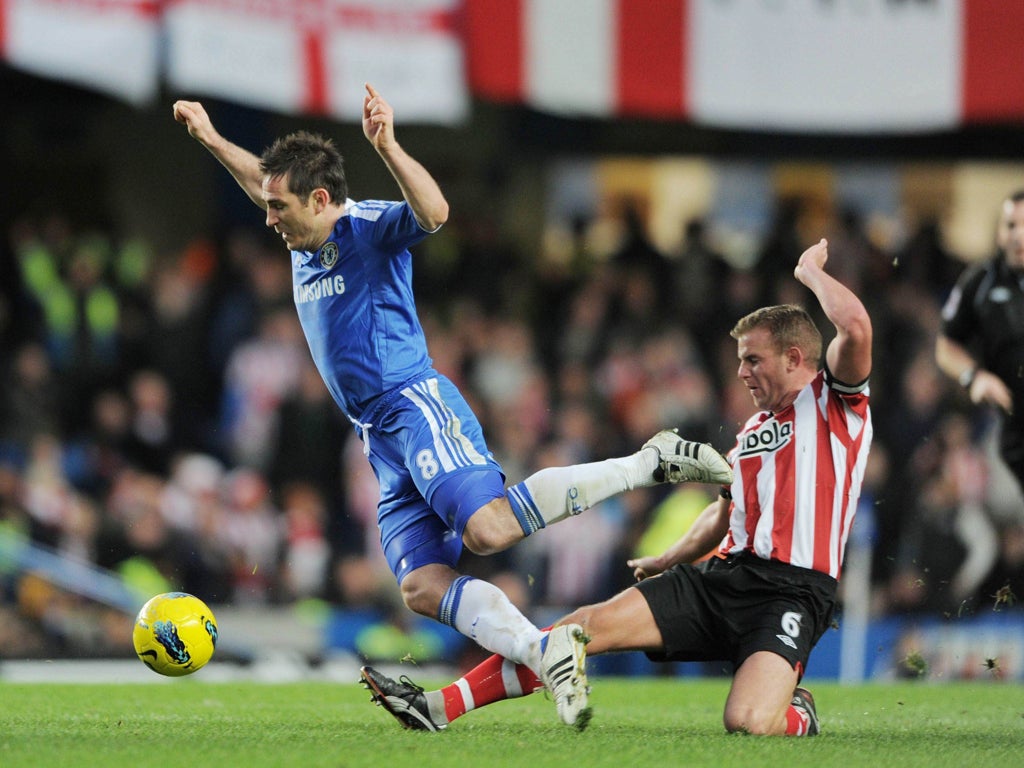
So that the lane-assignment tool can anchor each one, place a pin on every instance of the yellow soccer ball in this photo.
(175, 634)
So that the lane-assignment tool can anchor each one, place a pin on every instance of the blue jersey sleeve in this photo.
(392, 227)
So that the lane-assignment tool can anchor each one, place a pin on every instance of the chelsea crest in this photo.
(329, 255)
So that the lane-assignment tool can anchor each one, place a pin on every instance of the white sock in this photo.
(556, 493)
(483, 613)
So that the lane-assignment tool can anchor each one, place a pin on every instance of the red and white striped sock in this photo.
(797, 721)
(494, 679)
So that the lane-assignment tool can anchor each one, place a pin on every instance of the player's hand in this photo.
(193, 116)
(989, 389)
(645, 567)
(813, 258)
(378, 120)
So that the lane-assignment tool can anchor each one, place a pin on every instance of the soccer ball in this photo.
(175, 634)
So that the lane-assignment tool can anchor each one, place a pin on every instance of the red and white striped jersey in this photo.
(797, 477)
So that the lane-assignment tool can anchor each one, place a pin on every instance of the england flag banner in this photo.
(313, 56)
(842, 66)
(111, 46)
(837, 66)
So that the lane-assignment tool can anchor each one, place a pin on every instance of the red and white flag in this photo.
(803, 65)
(109, 45)
(313, 56)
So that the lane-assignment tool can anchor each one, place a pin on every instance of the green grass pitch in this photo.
(637, 722)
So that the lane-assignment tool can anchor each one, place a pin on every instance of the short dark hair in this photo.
(308, 161)
(1016, 197)
(789, 325)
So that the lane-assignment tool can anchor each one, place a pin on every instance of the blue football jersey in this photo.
(355, 303)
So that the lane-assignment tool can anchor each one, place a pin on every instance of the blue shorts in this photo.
(428, 451)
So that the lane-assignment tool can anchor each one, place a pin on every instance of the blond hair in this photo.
(789, 326)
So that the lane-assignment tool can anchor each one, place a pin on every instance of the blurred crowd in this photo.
(160, 415)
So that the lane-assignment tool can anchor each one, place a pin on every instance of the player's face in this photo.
(1011, 233)
(764, 370)
(290, 216)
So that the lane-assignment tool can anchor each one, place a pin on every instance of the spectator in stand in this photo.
(949, 546)
(306, 552)
(262, 372)
(308, 416)
(153, 441)
(254, 532)
(29, 399)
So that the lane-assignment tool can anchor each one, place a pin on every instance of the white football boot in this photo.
(564, 674)
(684, 461)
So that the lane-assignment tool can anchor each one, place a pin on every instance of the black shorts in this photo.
(727, 609)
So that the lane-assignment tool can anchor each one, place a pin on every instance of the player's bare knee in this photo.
(481, 542)
(420, 597)
(749, 720)
(485, 535)
(585, 617)
(581, 616)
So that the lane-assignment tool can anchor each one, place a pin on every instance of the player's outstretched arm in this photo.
(703, 536)
(849, 353)
(418, 187)
(243, 165)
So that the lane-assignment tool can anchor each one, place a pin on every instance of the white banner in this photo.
(813, 65)
(314, 56)
(226, 50)
(569, 55)
(108, 45)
